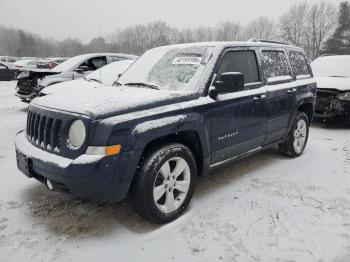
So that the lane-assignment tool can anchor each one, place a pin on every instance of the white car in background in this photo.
(26, 64)
(105, 76)
(31, 82)
(332, 74)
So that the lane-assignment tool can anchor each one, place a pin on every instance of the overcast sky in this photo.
(84, 19)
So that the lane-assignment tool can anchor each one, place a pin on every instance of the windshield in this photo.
(171, 67)
(69, 64)
(109, 73)
(336, 66)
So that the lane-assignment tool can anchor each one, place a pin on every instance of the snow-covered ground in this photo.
(264, 208)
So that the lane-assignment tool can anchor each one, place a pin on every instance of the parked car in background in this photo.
(31, 82)
(26, 64)
(176, 112)
(105, 76)
(333, 85)
(49, 63)
(7, 72)
(8, 60)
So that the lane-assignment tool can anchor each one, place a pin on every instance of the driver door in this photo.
(238, 119)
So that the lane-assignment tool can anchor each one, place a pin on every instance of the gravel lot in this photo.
(263, 208)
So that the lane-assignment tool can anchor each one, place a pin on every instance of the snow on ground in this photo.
(263, 208)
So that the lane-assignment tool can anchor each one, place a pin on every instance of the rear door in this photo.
(238, 119)
(281, 93)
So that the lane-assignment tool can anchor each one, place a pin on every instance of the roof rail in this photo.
(268, 41)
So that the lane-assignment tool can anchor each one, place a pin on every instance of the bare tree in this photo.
(228, 31)
(261, 28)
(320, 23)
(293, 23)
(308, 25)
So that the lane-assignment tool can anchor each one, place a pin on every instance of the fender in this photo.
(144, 133)
(306, 98)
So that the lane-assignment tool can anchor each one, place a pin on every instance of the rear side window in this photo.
(275, 65)
(299, 65)
(244, 62)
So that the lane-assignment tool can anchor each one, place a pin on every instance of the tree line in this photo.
(318, 27)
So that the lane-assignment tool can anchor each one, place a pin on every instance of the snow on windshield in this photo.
(109, 73)
(172, 67)
(332, 66)
(70, 64)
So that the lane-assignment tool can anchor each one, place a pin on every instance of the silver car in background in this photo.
(31, 82)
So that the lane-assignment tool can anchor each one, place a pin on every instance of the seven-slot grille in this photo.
(44, 131)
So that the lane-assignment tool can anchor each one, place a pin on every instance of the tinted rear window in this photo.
(299, 64)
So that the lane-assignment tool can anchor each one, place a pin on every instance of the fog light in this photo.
(49, 185)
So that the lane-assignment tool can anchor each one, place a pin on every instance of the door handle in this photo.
(259, 97)
(291, 91)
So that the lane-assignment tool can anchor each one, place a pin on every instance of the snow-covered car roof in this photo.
(23, 62)
(334, 65)
(72, 63)
(223, 44)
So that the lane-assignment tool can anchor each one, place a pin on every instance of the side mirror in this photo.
(229, 82)
(81, 69)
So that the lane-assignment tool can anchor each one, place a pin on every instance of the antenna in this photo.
(100, 28)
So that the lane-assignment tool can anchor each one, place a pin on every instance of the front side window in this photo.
(275, 65)
(299, 64)
(244, 62)
(171, 67)
(94, 63)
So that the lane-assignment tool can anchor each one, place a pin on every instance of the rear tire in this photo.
(297, 137)
(164, 183)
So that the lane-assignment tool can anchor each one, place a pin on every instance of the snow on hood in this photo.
(338, 83)
(111, 100)
(68, 86)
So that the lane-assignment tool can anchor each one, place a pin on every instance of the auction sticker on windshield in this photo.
(187, 60)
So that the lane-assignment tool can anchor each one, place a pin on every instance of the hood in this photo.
(36, 73)
(111, 100)
(338, 83)
(70, 86)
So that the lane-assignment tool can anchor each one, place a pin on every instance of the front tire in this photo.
(297, 137)
(164, 183)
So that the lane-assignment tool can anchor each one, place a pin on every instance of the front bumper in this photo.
(25, 96)
(331, 107)
(102, 178)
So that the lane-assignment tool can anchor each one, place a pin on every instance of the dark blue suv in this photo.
(175, 113)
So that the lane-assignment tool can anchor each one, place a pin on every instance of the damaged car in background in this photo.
(31, 82)
(7, 72)
(333, 86)
(105, 76)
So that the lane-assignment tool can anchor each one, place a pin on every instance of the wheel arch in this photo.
(308, 108)
(189, 138)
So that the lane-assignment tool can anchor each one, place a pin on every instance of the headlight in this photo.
(344, 96)
(76, 134)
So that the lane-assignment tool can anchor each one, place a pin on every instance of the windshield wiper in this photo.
(338, 76)
(92, 79)
(116, 83)
(143, 85)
